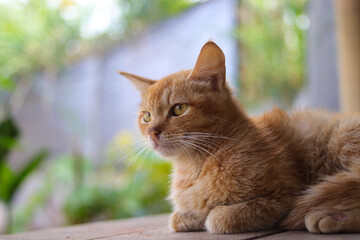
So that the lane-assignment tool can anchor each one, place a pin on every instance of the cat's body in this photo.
(233, 173)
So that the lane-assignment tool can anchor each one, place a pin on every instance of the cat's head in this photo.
(183, 111)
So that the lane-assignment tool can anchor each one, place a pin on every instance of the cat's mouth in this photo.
(164, 148)
(157, 144)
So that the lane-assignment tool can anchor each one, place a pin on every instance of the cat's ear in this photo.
(210, 65)
(140, 83)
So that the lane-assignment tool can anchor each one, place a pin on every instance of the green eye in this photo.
(147, 117)
(179, 109)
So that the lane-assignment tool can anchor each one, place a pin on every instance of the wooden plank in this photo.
(97, 230)
(164, 233)
(154, 227)
(301, 235)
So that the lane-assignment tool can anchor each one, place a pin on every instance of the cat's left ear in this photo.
(210, 66)
(140, 83)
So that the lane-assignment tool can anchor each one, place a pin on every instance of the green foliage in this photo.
(58, 174)
(137, 191)
(9, 133)
(91, 203)
(272, 38)
(11, 181)
(31, 165)
(140, 13)
(33, 36)
(23, 215)
(6, 84)
(112, 191)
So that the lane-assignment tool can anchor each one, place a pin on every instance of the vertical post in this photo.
(348, 36)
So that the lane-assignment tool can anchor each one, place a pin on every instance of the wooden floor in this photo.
(154, 227)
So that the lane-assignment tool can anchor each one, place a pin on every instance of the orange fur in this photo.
(233, 173)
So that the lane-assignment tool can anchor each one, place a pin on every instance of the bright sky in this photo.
(103, 13)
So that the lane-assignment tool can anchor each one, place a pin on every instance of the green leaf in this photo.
(9, 133)
(6, 84)
(31, 166)
(6, 179)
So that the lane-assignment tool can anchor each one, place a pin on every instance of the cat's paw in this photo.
(184, 222)
(175, 223)
(323, 221)
(219, 221)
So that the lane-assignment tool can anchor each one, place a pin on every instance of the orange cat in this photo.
(233, 173)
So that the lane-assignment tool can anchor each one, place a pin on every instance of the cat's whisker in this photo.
(203, 134)
(214, 146)
(204, 142)
(214, 140)
(205, 145)
(144, 156)
(127, 152)
(115, 147)
(211, 135)
(138, 154)
(136, 160)
(135, 151)
(196, 146)
(123, 159)
(177, 144)
(185, 144)
(210, 143)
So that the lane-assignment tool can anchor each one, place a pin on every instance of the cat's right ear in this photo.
(210, 65)
(140, 83)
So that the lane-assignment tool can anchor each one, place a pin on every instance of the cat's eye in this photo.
(179, 109)
(147, 117)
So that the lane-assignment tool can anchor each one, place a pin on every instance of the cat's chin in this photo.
(166, 151)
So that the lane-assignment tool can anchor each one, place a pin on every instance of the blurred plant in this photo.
(272, 40)
(41, 43)
(110, 191)
(58, 175)
(140, 13)
(137, 190)
(33, 36)
(11, 181)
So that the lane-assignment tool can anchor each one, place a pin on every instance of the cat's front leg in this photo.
(182, 221)
(242, 217)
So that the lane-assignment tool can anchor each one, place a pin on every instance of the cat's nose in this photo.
(154, 133)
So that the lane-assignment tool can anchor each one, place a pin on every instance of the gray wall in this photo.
(322, 86)
(322, 62)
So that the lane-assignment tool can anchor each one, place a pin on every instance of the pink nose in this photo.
(154, 133)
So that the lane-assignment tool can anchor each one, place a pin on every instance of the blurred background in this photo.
(70, 151)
